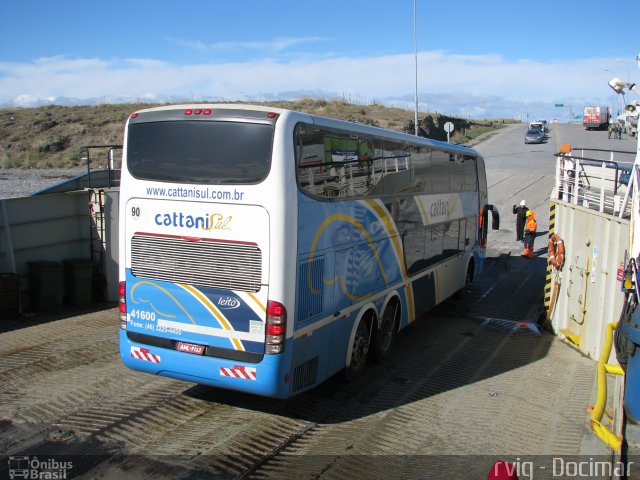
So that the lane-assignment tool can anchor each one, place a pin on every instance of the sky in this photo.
(475, 59)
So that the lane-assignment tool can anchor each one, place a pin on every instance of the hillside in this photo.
(53, 136)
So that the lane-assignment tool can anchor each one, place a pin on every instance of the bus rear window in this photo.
(200, 151)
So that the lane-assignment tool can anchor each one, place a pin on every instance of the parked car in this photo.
(545, 125)
(534, 135)
(539, 125)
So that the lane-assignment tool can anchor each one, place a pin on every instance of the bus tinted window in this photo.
(332, 163)
(470, 174)
(421, 167)
(200, 151)
(440, 172)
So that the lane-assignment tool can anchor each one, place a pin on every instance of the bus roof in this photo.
(321, 121)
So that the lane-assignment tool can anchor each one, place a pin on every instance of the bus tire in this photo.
(359, 352)
(468, 278)
(385, 334)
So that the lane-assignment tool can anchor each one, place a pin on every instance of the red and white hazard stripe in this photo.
(144, 354)
(239, 371)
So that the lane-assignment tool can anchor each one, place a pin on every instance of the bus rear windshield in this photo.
(200, 151)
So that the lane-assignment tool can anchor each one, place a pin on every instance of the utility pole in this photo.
(415, 54)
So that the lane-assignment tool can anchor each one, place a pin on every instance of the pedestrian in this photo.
(568, 169)
(619, 132)
(609, 130)
(520, 213)
(530, 228)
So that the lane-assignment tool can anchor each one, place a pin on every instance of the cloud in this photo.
(273, 46)
(482, 85)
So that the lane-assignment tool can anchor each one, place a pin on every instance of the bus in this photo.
(265, 250)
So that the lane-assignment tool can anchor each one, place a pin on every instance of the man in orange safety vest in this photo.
(530, 227)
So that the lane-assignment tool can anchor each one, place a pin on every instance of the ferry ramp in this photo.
(474, 381)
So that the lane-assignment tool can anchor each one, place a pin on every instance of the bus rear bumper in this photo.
(269, 378)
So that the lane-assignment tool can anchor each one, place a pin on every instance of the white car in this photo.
(539, 125)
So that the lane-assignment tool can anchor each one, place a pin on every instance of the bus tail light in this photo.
(276, 327)
(122, 304)
(197, 111)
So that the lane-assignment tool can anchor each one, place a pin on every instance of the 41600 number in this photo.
(143, 315)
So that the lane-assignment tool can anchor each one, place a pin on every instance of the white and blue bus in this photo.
(265, 250)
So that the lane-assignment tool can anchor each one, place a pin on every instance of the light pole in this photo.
(623, 61)
(613, 101)
(415, 55)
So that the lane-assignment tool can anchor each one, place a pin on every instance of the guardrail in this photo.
(601, 184)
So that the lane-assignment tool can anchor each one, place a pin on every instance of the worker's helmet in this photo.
(529, 213)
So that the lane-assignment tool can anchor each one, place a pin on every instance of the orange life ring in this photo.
(556, 251)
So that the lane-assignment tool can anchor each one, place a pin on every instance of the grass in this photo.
(53, 136)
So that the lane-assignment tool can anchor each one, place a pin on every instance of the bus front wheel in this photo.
(359, 352)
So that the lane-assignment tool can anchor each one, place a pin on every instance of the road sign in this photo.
(448, 127)
(559, 104)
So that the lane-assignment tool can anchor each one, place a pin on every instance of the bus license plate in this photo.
(190, 348)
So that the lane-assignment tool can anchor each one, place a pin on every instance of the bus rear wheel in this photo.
(385, 335)
(359, 352)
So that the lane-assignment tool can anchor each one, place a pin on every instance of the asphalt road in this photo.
(517, 171)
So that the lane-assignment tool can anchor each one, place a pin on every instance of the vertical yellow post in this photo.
(598, 428)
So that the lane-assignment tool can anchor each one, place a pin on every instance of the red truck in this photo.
(596, 117)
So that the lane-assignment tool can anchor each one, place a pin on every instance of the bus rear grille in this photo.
(229, 266)
(305, 374)
(311, 290)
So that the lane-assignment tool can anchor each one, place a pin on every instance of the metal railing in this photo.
(600, 184)
(105, 157)
(349, 178)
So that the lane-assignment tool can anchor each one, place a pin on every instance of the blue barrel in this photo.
(632, 383)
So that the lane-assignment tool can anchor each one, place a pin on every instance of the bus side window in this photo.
(470, 174)
(421, 170)
(434, 243)
(456, 173)
(440, 171)
(451, 239)
(464, 242)
(413, 242)
(392, 169)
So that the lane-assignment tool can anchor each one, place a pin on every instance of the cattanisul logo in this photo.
(213, 221)
(439, 208)
(227, 303)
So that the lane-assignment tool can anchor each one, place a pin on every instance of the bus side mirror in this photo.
(495, 216)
